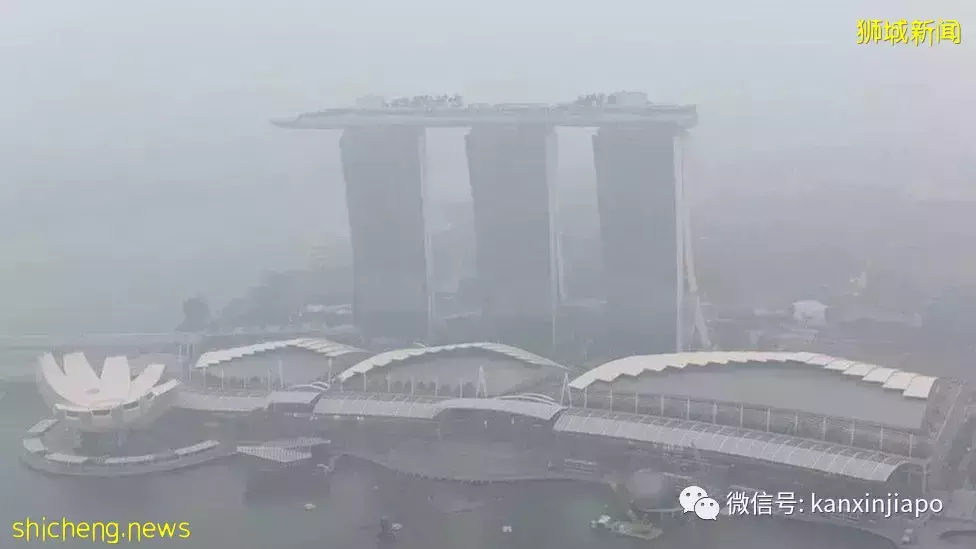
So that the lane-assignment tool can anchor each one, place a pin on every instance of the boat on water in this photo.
(637, 530)
(388, 529)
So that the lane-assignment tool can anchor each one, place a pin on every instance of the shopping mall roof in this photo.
(376, 405)
(214, 401)
(539, 410)
(773, 448)
(389, 358)
(324, 347)
(427, 407)
(306, 398)
(806, 382)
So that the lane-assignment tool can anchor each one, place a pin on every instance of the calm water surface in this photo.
(542, 516)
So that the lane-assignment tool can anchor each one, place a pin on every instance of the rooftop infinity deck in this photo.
(679, 116)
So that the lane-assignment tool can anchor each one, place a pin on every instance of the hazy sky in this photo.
(129, 128)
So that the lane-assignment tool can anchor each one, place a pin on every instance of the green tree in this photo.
(196, 315)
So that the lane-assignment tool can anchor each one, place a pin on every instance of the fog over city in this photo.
(138, 167)
(532, 275)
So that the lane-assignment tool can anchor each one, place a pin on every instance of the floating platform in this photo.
(282, 472)
(636, 530)
(628, 529)
(276, 455)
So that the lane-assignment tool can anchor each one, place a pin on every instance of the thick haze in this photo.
(137, 166)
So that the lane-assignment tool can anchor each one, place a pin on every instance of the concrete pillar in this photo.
(511, 172)
(384, 173)
(640, 230)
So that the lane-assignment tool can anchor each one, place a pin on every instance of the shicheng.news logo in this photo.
(787, 503)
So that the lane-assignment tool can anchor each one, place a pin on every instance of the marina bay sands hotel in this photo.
(511, 156)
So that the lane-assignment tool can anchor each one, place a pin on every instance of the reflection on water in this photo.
(434, 515)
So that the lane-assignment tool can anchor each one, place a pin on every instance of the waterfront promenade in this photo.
(476, 463)
(45, 449)
(40, 464)
(955, 526)
(482, 463)
(501, 462)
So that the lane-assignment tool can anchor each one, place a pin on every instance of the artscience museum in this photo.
(108, 401)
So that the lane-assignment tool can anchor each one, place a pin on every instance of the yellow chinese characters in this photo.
(919, 32)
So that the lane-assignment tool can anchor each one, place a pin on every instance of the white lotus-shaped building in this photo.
(106, 402)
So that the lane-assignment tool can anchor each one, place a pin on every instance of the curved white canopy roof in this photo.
(324, 347)
(770, 447)
(373, 405)
(910, 384)
(391, 357)
(539, 410)
(426, 407)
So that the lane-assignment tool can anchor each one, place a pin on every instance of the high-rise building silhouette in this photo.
(511, 153)
(639, 227)
(384, 172)
(510, 173)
